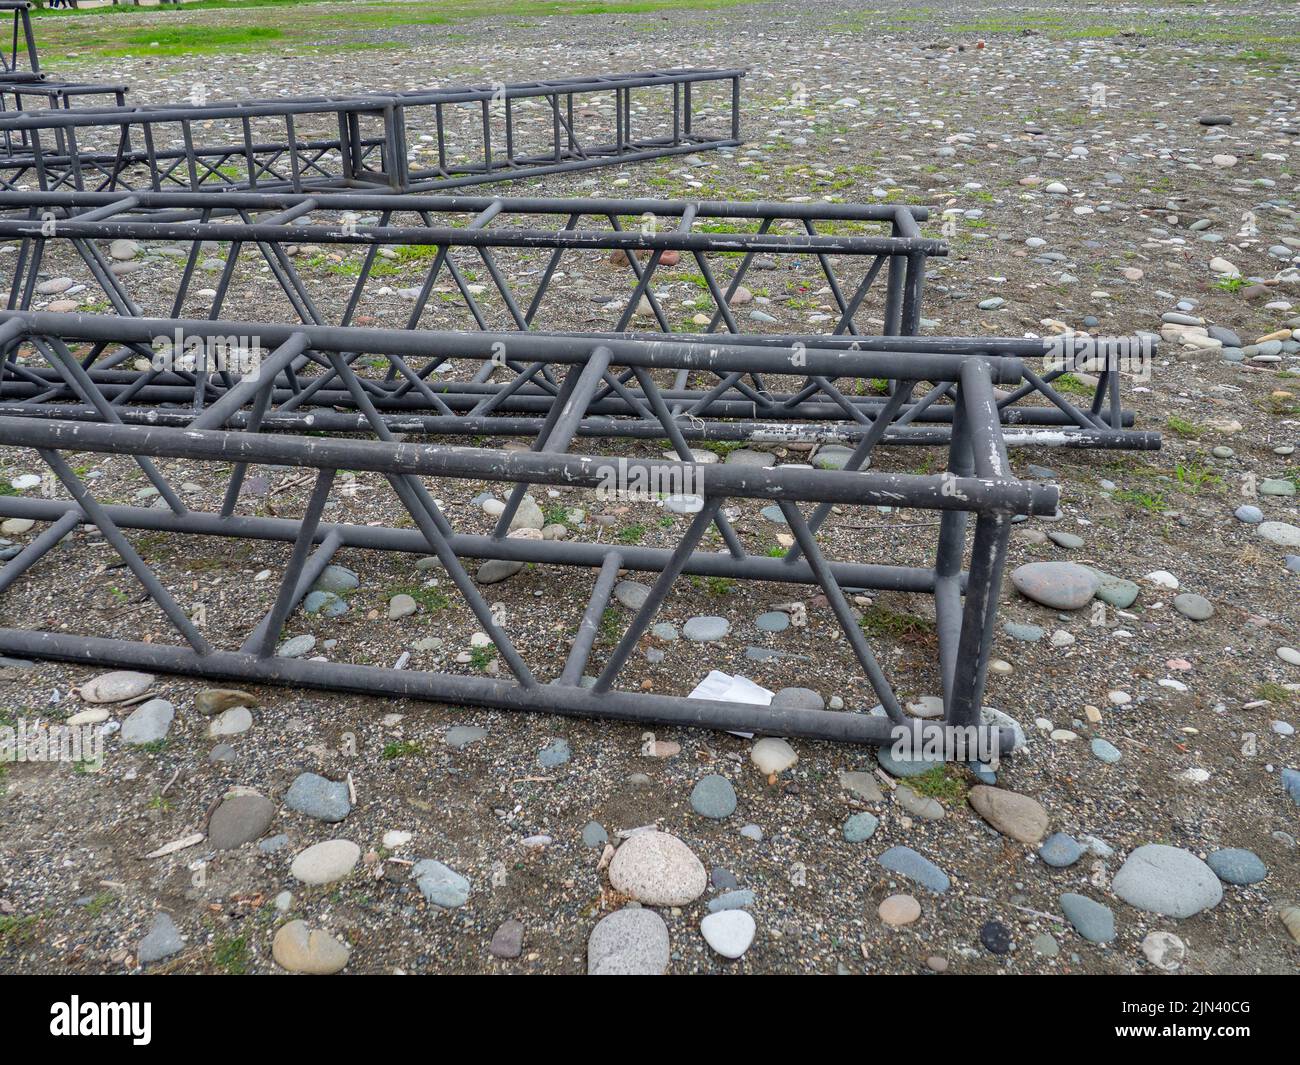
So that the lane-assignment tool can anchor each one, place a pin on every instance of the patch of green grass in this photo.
(410, 255)
(632, 534)
(610, 628)
(1262, 57)
(880, 620)
(698, 280)
(1055, 27)
(17, 930)
(197, 5)
(1278, 694)
(1230, 284)
(402, 750)
(1182, 426)
(718, 227)
(183, 40)
(1195, 475)
(230, 955)
(944, 782)
(1071, 385)
(100, 903)
(1150, 501)
(721, 448)
(481, 657)
(719, 585)
(232, 26)
(351, 266)
(1281, 405)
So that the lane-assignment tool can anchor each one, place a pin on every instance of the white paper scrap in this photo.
(728, 689)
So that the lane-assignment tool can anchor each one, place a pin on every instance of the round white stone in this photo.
(772, 755)
(326, 862)
(729, 932)
(1164, 950)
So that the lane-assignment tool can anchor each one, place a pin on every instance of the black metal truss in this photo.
(1108, 359)
(21, 77)
(51, 93)
(18, 56)
(403, 141)
(520, 247)
(507, 383)
(232, 432)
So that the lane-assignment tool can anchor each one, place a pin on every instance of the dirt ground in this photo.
(950, 105)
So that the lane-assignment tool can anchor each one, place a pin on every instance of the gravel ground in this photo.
(952, 106)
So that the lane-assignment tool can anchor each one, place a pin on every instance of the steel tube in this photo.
(499, 237)
(589, 626)
(660, 353)
(869, 488)
(381, 161)
(839, 726)
(416, 202)
(552, 552)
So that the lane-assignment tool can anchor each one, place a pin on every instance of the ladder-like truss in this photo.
(243, 425)
(409, 141)
(253, 199)
(22, 79)
(18, 56)
(519, 245)
(499, 264)
(506, 383)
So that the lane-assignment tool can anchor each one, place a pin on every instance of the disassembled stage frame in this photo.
(416, 140)
(425, 389)
(713, 248)
(395, 142)
(261, 193)
(722, 239)
(22, 79)
(977, 484)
